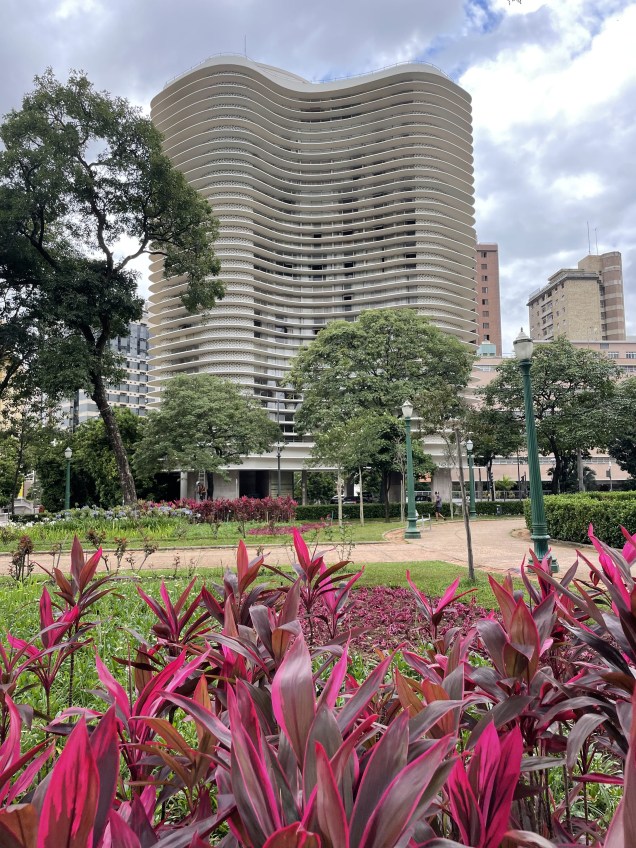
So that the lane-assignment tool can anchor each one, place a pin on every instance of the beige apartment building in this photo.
(485, 370)
(333, 198)
(487, 300)
(581, 303)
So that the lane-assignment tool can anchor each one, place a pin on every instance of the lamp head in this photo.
(68, 453)
(469, 445)
(407, 409)
(523, 346)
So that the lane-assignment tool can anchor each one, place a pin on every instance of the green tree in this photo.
(85, 189)
(349, 446)
(494, 432)
(623, 447)
(370, 367)
(94, 460)
(203, 424)
(573, 391)
(374, 364)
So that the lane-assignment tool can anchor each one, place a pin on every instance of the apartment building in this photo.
(131, 393)
(333, 198)
(584, 303)
(487, 300)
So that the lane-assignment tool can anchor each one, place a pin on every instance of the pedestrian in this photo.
(438, 507)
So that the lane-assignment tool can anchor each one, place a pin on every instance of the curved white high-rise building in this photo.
(332, 197)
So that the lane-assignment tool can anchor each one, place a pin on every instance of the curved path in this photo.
(498, 545)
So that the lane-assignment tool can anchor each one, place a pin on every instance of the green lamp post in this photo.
(523, 347)
(411, 531)
(68, 453)
(471, 478)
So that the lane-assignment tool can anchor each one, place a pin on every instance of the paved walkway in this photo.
(498, 545)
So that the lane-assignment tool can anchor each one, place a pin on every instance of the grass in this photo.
(182, 534)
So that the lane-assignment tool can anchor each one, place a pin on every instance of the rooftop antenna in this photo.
(245, 46)
(596, 237)
(589, 246)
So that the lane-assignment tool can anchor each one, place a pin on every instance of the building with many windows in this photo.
(581, 303)
(333, 198)
(131, 393)
(487, 298)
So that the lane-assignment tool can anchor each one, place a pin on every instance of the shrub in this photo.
(569, 516)
(491, 734)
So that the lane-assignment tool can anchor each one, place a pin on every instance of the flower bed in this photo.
(219, 720)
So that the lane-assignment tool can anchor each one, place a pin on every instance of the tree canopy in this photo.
(623, 447)
(573, 390)
(85, 189)
(203, 423)
(374, 364)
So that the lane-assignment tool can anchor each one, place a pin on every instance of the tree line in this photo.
(85, 189)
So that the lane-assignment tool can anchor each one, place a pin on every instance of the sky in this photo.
(553, 84)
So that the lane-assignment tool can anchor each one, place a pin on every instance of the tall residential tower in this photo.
(487, 295)
(582, 304)
(332, 197)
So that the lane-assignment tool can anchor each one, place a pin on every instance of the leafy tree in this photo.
(85, 189)
(370, 367)
(573, 392)
(203, 424)
(623, 447)
(374, 364)
(94, 460)
(494, 432)
(349, 446)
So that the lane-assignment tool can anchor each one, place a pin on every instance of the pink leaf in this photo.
(294, 697)
(70, 803)
(293, 836)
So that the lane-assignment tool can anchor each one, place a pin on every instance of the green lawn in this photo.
(179, 533)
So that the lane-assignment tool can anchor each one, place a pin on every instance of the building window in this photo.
(484, 289)
(485, 314)
(484, 301)
(484, 254)
(484, 278)
(486, 325)
(484, 265)
(631, 354)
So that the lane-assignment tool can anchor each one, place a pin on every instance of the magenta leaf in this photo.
(70, 803)
(294, 697)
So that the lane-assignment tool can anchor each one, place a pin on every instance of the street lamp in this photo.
(411, 531)
(68, 453)
(471, 477)
(523, 348)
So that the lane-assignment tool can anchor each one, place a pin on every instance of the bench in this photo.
(424, 520)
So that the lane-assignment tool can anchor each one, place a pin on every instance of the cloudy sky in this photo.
(553, 84)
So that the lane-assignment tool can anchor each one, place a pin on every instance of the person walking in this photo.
(438, 507)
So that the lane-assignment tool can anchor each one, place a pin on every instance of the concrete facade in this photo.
(131, 393)
(332, 198)
(581, 303)
(487, 298)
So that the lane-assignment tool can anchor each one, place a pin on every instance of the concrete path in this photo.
(498, 545)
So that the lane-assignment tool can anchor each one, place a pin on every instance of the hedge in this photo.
(569, 516)
(315, 512)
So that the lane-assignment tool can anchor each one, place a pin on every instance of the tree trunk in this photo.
(462, 486)
(386, 485)
(100, 398)
(555, 483)
(361, 498)
(18, 463)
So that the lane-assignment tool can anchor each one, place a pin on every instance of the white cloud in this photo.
(552, 81)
